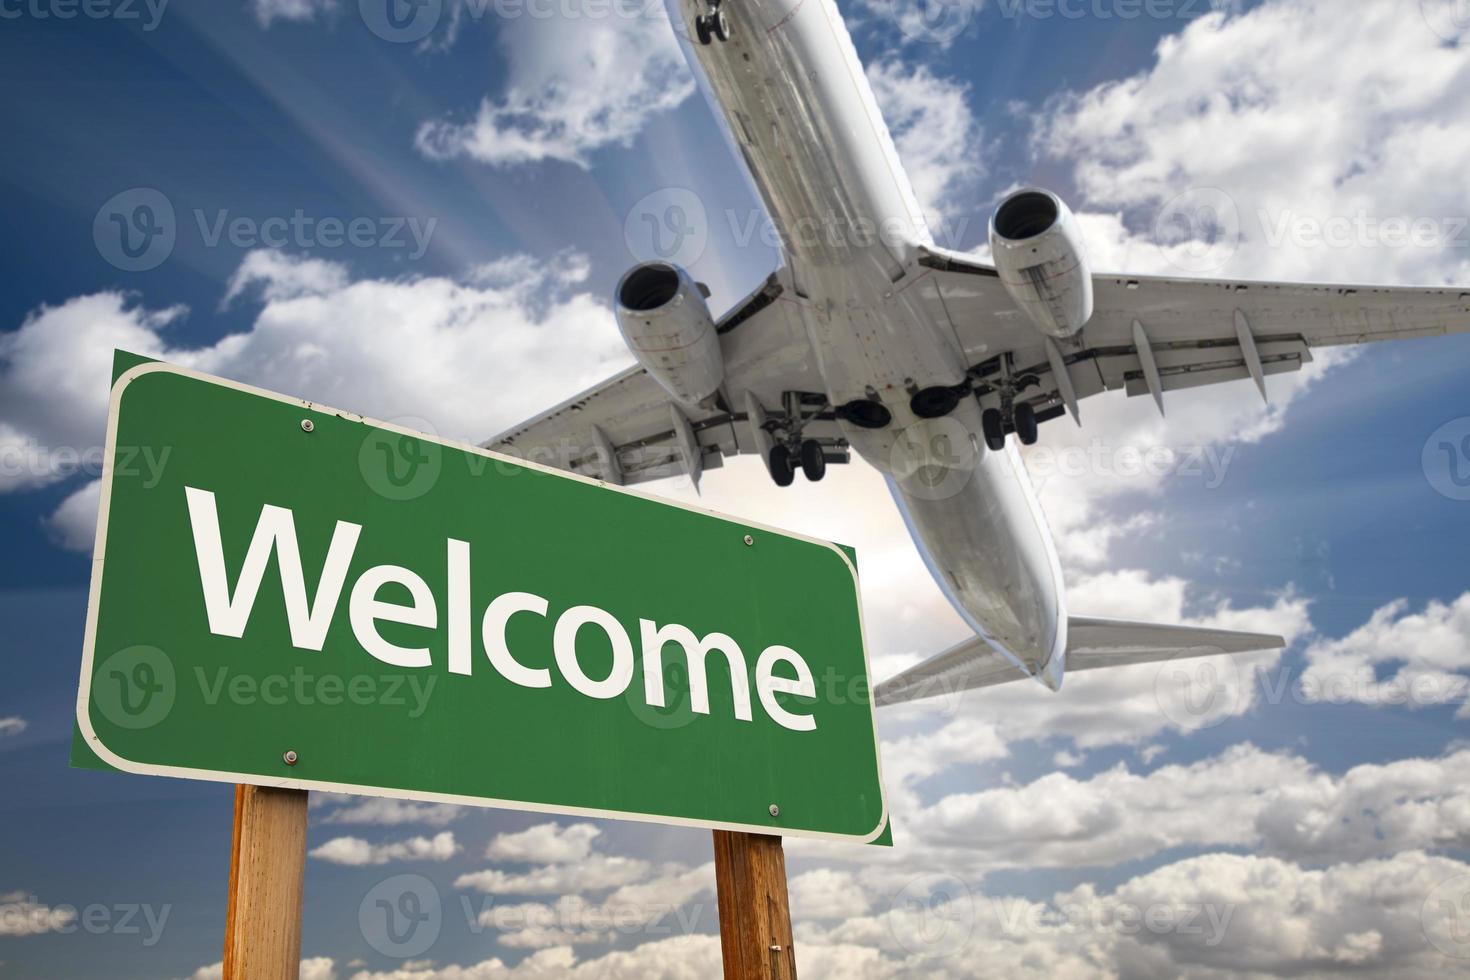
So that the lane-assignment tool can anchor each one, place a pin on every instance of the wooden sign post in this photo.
(267, 872)
(267, 869)
(755, 917)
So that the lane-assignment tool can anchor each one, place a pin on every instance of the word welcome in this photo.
(309, 620)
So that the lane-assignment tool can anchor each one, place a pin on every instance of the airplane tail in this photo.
(1092, 644)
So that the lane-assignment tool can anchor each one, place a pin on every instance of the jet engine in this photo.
(667, 325)
(1038, 252)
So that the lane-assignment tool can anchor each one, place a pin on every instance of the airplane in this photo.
(929, 364)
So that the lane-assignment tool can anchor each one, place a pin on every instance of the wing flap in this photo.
(1193, 366)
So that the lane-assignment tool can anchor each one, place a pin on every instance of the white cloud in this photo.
(74, 523)
(356, 851)
(281, 277)
(595, 872)
(1371, 810)
(384, 811)
(637, 894)
(54, 373)
(827, 894)
(663, 901)
(1288, 920)
(1397, 658)
(21, 914)
(1090, 478)
(1274, 804)
(313, 968)
(319, 335)
(932, 24)
(547, 843)
(1115, 816)
(1243, 797)
(268, 11)
(969, 739)
(675, 958)
(936, 134)
(1217, 915)
(13, 725)
(1384, 140)
(1211, 916)
(593, 83)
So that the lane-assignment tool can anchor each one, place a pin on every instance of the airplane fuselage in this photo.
(799, 110)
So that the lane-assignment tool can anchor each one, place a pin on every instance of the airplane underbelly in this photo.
(977, 523)
(799, 110)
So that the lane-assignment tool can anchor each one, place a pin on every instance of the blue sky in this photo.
(1325, 827)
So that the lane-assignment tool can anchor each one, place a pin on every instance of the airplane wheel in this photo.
(780, 465)
(702, 29)
(719, 26)
(994, 428)
(1025, 419)
(813, 462)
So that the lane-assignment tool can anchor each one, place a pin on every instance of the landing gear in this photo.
(790, 449)
(1023, 423)
(780, 466)
(712, 26)
(1012, 415)
(1023, 417)
(995, 429)
(813, 460)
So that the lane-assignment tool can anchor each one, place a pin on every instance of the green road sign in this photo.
(295, 596)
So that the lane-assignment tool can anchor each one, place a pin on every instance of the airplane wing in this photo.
(1092, 644)
(627, 430)
(1148, 335)
(1151, 334)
